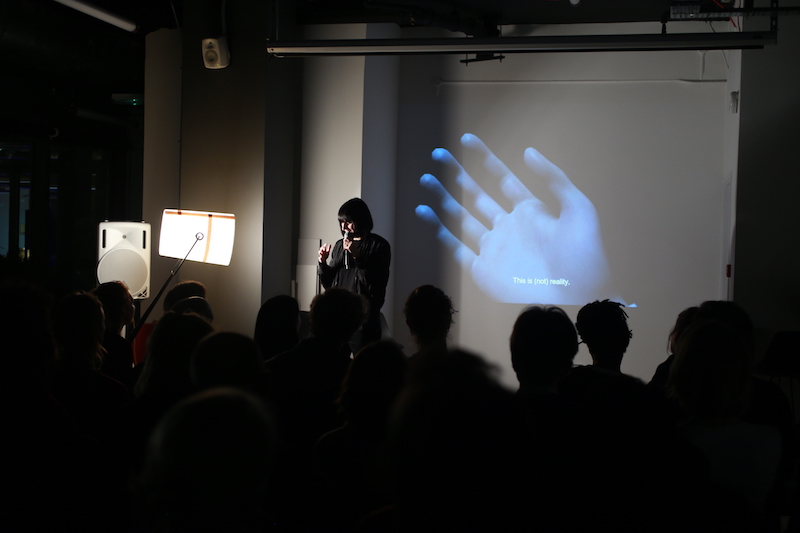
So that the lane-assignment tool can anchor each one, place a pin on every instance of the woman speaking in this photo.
(359, 262)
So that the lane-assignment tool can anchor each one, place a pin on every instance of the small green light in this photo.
(128, 99)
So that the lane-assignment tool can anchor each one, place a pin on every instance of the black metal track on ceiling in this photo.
(571, 43)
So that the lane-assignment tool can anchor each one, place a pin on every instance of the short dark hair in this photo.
(373, 382)
(355, 210)
(182, 290)
(78, 328)
(429, 312)
(735, 316)
(710, 374)
(277, 325)
(114, 295)
(194, 304)
(337, 313)
(543, 340)
(604, 326)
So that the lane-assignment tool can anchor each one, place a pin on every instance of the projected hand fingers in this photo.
(573, 202)
(484, 203)
(462, 253)
(471, 227)
(511, 186)
(532, 253)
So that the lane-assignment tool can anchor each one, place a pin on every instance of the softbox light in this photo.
(200, 236)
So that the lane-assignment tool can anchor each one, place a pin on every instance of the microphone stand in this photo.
(197, 238)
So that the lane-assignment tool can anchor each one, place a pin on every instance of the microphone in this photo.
(346, 253)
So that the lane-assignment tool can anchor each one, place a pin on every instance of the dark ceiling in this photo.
(46, 44)
(477, 17)
(43, 36)
(471, 17)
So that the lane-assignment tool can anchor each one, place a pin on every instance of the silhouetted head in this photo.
(79, 328)
(169, 352)
(336, 314)
(182, 290)
(277, 325)
(453, 440)
(194, 304)
(208, 465)
(684, 320)
(373, 381)
(429, 313)
(543, 344)
(710, 374)
(603, 326)
(735, 316)
(356, 211)
(227, 359)
(117, 304)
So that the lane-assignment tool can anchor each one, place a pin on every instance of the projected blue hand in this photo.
(529, 255)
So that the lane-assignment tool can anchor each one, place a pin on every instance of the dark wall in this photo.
(239, 146)
(767, 255)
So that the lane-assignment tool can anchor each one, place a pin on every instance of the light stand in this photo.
(178, 226)
(198, 237)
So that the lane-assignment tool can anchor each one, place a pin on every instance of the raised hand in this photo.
(531, 254)
(324, 252)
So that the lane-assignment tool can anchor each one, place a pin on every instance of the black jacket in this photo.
(367, 275)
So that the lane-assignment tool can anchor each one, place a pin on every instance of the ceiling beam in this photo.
(571, 43)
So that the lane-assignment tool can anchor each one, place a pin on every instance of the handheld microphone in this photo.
(346, 253)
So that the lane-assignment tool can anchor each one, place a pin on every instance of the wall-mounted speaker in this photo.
(123, 253)
(215, 52)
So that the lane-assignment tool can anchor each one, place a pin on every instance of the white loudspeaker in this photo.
(215, 52)
(123, 253)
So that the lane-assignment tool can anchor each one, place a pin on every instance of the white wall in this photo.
(379, 144)
(333, 110)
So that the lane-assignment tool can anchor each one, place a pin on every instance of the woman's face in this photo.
(348, 226)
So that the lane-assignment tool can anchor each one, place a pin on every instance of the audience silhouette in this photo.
(164, 380)
(603, 327)
(710, 379)
(543, 345)
(349, 458)
(429, 315)
(209, 465)
(272, 433)
(304, 383)
(306, 379)
(606, 394)
(48, 470)
(277, 326)
(119, 311)
(181, 291)
(227, 359)
(88, 395)
(454, 450)
(194, 304)
(684, 320)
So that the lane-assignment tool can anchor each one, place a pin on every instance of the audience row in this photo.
(288, 431)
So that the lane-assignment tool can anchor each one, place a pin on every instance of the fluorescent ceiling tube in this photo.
(100, 14)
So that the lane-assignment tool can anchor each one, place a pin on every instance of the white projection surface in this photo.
(520, 192)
